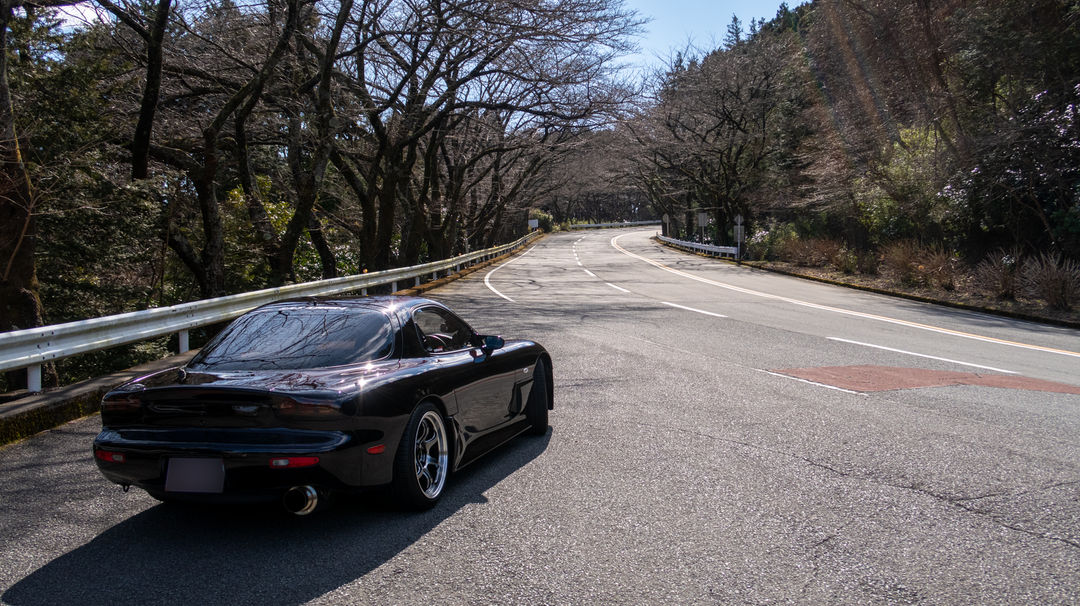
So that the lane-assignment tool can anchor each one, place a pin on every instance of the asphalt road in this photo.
(721, 435)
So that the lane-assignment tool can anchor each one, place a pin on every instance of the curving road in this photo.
(721, 435)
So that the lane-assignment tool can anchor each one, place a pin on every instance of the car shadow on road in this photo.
(175, 554)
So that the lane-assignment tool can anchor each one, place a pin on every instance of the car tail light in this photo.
(112, 457)
(290, 408)
(284, 462)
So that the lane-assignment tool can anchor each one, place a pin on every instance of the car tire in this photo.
(536, 408)
(422, 461)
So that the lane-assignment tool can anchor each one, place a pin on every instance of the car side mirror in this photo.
(487, 344)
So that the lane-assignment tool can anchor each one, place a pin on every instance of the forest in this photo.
(926, 136)
(157, 151)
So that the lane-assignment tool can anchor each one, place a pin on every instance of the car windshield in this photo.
(299, 339)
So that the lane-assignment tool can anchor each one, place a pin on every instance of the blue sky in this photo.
(702, 21)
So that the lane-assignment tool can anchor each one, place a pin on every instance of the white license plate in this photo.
(195, 475)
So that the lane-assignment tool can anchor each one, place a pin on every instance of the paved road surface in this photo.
(721, 436)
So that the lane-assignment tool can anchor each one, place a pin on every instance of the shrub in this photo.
(998, 275)
(826, 251)
(768, 243)
(543, 219)
(809, 252)
(1054, 280)
(757, 247)
(868, 263)
(797, 251)
(938, 267)
(845, 260)
(902, 258)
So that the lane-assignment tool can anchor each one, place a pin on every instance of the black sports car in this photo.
(297, 400)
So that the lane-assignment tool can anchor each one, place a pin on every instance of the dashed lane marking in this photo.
(838, 310)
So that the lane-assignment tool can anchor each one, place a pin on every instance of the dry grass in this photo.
(902, 260)
(1044, 287)
(965, 292)
(998, 275)
(1054, 280)
(812, 252)
(939, 267)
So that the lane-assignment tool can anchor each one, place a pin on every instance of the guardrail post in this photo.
(183, 336)
(33, 378)
(393, 287)
(417, 281)
(363, 291)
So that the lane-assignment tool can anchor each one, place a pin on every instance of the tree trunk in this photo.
(140, 144)
(318, 240)
(20, 305)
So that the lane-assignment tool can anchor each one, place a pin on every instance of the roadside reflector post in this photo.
(33, 378)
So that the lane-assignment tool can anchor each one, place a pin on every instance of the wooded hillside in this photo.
(163, 152)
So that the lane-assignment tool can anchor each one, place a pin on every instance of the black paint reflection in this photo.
(299, 339)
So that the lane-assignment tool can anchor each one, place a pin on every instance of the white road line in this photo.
(707, 313)
(590, 273)
(613, 286)
(487, 278)
(911, 353)
(579, 263)
(776, 374)
(944, 331)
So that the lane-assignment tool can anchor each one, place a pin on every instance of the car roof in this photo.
(385, 303)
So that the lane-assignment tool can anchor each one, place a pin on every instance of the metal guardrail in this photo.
(33, 347)
(596, 225)
(695, 247)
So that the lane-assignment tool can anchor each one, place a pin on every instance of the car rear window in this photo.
(280, 339)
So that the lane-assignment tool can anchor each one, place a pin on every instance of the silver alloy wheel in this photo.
(431, 454)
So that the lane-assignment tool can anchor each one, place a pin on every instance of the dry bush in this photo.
(826, 251)
(903, 259)
(868, 263)
(939, 267)
(1054, 280)
(844, 260)
(810, 252)
(998, 275)
(795, 250)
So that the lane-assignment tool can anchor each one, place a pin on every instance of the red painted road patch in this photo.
(887, 378)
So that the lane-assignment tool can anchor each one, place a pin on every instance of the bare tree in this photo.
(414, 67)
(151, 28)
(709, 136)
(217, 70)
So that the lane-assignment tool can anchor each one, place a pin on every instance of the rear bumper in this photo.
(245, 455)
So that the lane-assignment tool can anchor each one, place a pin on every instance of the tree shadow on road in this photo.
(175, 554)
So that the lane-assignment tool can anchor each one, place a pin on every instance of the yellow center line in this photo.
(848, 312)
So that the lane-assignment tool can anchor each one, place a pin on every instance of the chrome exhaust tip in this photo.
(301, 500)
